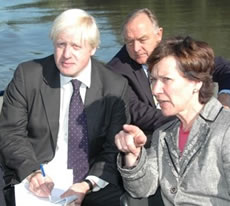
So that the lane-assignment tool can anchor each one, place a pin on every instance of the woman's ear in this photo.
(197, 86)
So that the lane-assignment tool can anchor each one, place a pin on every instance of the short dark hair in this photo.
(195, 59)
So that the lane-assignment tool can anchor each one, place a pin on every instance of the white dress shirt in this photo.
(60, 159)
(145, 69)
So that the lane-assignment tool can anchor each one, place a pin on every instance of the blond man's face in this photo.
(71, 53)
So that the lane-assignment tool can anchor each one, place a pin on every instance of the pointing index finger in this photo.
(139, 136)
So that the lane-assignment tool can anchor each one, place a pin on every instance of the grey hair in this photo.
(152, 17)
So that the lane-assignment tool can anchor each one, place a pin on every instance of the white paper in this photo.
(62, 181)
(56, 199)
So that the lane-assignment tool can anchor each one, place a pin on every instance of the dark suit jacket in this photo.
(2, 184)
(30, 116)
(142, 108)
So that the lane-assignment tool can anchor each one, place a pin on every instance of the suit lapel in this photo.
(144, 82)
(138, 73)
(172, 151)
(196, 140)
(93, 96)
(199, 134)
(50, 93)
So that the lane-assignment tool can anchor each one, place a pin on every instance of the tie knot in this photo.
(76, 84)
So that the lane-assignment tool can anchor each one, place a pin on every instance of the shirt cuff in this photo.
(99, 182)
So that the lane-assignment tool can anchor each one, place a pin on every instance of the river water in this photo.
(25, 25)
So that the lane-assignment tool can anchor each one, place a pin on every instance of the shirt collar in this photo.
(84, 76)
(145, 66)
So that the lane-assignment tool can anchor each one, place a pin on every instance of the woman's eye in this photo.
(166, 79)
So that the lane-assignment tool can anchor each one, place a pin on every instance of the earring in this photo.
(194, 91)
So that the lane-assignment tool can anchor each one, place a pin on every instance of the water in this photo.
(25, 25)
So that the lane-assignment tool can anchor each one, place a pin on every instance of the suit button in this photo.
(173, 190)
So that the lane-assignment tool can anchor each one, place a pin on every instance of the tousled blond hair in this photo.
(85, 24)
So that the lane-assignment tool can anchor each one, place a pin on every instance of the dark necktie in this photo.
(77, 136)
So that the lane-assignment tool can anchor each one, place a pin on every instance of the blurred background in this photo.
(25, 25)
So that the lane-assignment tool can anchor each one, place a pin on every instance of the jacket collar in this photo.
(197, 138)
(140, 75)
(211, 109)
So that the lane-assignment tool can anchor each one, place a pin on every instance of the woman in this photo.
(189, 157)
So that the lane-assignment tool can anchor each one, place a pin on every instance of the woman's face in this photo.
(174, 93)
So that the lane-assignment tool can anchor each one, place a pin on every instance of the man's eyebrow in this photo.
(143, 37)
(140, 38)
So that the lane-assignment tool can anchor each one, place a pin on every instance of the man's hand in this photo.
(78, 189)
(129, 141)
(39, 185)
(224, 99)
